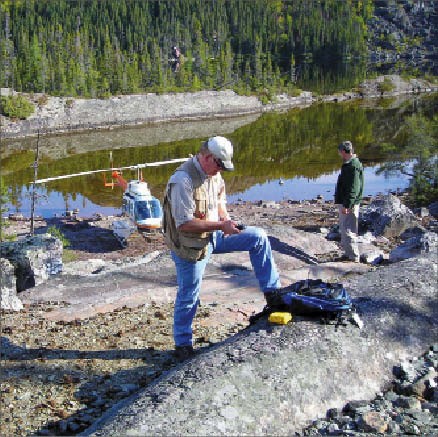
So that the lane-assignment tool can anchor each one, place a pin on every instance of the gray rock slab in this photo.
(272, 379)
(97, 287)
(62, 114)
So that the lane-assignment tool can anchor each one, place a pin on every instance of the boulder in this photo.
(8, 291)
(433, 209)
(417, 231)
(387, 216)
(414, 246)
(35, 259)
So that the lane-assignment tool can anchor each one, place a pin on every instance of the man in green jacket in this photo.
(348, 195)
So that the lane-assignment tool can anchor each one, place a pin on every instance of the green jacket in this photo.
(349, 188)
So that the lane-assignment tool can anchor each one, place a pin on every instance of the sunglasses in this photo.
(218, 162)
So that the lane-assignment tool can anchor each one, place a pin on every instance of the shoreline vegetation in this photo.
(57, 115)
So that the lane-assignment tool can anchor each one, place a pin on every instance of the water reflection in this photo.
(330, 75)
(298, 146)
(301, 188)
(298, 188)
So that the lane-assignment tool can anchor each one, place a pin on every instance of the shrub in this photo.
(4, 236)
(266, 96)
(431, 78)
(55, 232)
(16, 107)
(294, 91)
(386, 86)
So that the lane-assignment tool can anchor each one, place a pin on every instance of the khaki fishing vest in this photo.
(187, 245)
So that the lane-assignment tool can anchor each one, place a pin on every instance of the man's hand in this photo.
(229, 227)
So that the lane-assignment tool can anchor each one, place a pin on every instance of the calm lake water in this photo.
(297, 147)
(298, 188)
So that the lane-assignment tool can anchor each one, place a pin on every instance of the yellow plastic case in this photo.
(280, 318)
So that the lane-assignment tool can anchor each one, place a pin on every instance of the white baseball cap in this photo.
(222, 149)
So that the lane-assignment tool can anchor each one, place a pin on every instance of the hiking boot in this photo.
(342, 258)
(184, 352)
(272, 298)
(353, 259)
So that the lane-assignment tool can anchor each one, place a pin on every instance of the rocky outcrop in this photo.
(386, 216)
(402, 410)
(8, 290)
(104, 314)
(404, 29)
(64, 114)
(270, 380)
(34, 259)
(397, 86)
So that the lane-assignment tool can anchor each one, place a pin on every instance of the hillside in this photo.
(404, 30)
(124, 47)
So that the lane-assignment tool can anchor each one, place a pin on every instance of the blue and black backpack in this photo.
(330, 302)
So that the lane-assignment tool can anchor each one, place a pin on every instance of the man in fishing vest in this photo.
(196, 224)
(348, 195)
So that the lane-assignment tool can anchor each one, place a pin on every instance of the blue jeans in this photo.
(189, 274)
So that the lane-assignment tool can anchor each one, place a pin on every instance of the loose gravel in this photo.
(58, 377)
(408, 406)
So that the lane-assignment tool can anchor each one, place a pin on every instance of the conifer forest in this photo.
(99, 48)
